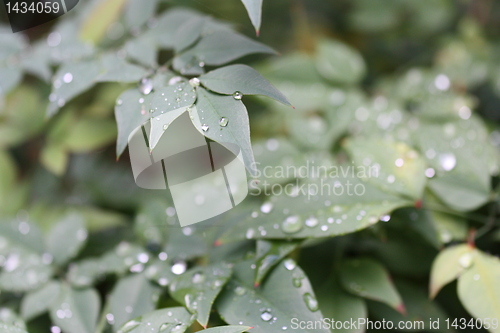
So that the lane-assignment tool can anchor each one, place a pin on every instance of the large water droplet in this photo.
(266, 207)
(292, 224)
(311, 302)
(146, 86)
(447, 161)
(205, 127)
(465, 260)
(311, 221)
(223, 121)
(194, 82)
(129, 326)
(237, 95)
(179, 267)
(290, 264)
(266, 316)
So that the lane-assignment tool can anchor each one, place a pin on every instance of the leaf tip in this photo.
(218, 243)
(256, 284)
(401, 309)
(418, 204)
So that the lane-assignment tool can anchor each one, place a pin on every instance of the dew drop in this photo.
(311, 302)
(291, 224)
(290, 264)
(237, 95)
(205, 127)
(129, 326)
(447, 161)
(465, 260)
(311, 222)
(430, 172)
(165, 127)
(266, 316)
(385, 218)
(198, 278)
(223, 121)
(194, 82)
(146, 86)
(240, 291)
(68, 77)
(266, 207)
(179, 267)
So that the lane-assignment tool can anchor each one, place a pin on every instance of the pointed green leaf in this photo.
(24, 271)
(478, 287)
(369, 279)
(132, 296)
(9, 317)
(117, 69)
(142, 50)
(97, 22)
(211, 109)
(6, 328)
(90, 133)
(138, 12)
(40, 301)
(335, 302)
(70, 80)
(269, 254)
(339, 63)
(254, 9)
(11, 77)
(54, 158)
(168, 23)
(168, 320)
(198, 288)
(20, 233)
(449, 265)
(66, 238)
(188, 32)
(396, 167)
(76, 311)
(218, 48)
(227, 329)
(130, 113)
(244, 79)
(284, 295)
(317, 208)
(84, 273)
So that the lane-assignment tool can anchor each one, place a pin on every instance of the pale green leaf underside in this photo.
(254, 9)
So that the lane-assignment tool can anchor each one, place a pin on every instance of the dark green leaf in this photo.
(269, 253)
(241, 78)
(133, 296)
(271, 307)
(169, 320)
(197, 289)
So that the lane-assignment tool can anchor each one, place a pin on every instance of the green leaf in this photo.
(227, 329)
(218, 48)
(367, 278)
(254, 9)
(76, 311)
(478, 288)
(335, 302)
(168, 320)
(132, 296)
(66, 238)
(167, 104)
(241, 78)
(273, 305)
(130, 113)
(40, 301)
(24, 271)
(124, 256)
(11, 77)
(211, 109)
(197, 289)
(339, 63)
(143, 50)
(331, 208)
(269, 254)
(116, 69)
(70, 80)
(9, 317)
(168, 23)
(459, 153)
(449, 265)
(5, 328)
(419, 309)
(97, 22)
(396, 167)
(188, 33)
(84, 273)
(138, 12)
(89, 133)
(22, 233)
(55, 158)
